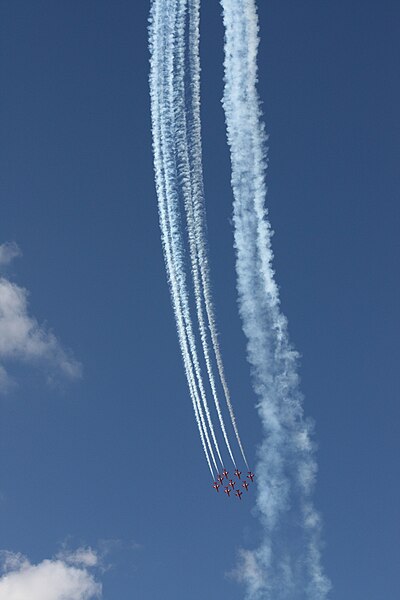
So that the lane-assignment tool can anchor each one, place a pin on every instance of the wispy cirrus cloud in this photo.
(109, 554)
(9, 251)
(84, 556)
(51, 579)
(22, 338)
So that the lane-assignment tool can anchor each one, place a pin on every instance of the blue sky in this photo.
(109, 459)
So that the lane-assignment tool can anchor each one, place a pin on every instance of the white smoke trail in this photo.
(288, 562)
(195, 153)
(158, 49)
(171, 173)
(186, 177)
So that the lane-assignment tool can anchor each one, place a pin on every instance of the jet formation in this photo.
(233, 486)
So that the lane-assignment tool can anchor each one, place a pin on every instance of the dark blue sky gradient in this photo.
(117, 455)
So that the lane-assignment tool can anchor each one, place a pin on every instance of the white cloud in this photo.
(8, 252)
(85, 557)
(6, 382)
(51, 579)
(22, 338)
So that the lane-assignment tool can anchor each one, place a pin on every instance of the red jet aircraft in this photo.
(220, 479)
(232, 483)
(245, 485)
(238, 493)
(238, 473)
(250, 476)
(216, 486)
(225, 473)
(227, 491)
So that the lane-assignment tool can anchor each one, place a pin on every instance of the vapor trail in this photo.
(188, 179)
(196, 168)
(287, 563)
(172, 203)
(172, 177)
(160, 27)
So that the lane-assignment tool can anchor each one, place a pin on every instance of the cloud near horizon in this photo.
(22, 338)
(66, 578)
